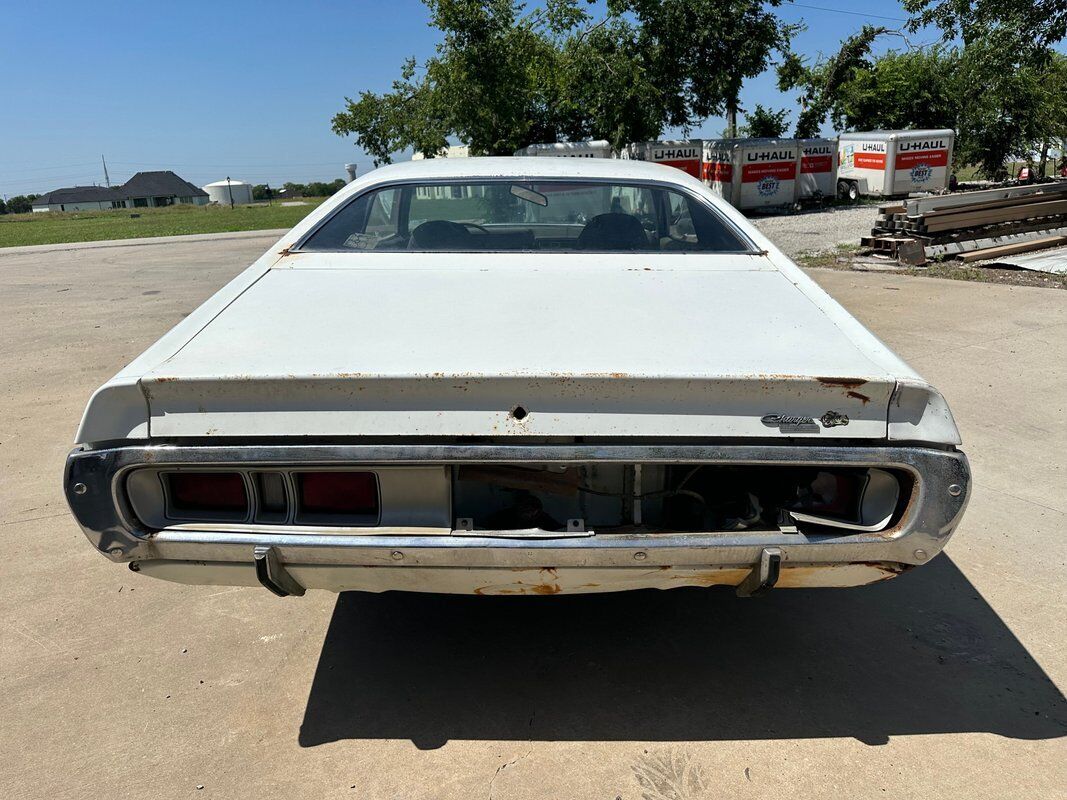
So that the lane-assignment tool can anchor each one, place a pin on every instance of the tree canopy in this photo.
(21, 204)
(504, 76)
(1004, 103)
(763, 122)
(1026, 29)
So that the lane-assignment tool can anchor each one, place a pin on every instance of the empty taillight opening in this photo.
(272, 502)
(349, 495)
(207, 492)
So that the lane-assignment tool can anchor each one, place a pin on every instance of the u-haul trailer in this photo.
(893, 163)
(753, 173)
(684, 154)
(818, 169)
(594, 149)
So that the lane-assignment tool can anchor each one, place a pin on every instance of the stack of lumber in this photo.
(972, 225)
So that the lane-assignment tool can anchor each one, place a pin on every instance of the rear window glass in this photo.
(554, 216)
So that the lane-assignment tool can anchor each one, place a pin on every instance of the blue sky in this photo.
(245, 89)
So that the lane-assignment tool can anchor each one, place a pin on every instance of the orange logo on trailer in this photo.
(719, 171)
(687, 159)
(810, 164)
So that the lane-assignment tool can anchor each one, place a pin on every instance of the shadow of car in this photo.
(920, 654)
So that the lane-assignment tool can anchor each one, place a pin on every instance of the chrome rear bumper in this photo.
(94, 488)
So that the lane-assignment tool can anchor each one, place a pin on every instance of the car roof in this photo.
(520, 167)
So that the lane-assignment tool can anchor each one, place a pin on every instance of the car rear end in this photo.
(525, 422)
(516, 518)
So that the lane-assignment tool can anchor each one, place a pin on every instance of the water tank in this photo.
(221, 191)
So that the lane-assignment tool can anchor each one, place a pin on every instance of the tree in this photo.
(821, 83)
(294, 189)
(1052, 111)
(21, 204)
(504, 76)
(1022, 29)
(320, 189)
(764, 123)
(261, 191)
(910, 89)
(3, 206)
(1008, 73)
(998, 114)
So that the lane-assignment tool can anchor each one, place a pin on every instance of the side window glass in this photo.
(679, 219)
(381, 221)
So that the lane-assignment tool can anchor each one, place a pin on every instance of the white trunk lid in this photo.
(648, 346)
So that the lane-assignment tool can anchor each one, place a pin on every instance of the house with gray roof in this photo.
(143, 190)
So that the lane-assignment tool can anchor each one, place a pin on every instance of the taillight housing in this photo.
(207, 493)
(337, 496)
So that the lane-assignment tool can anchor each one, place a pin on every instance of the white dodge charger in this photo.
(519, 376)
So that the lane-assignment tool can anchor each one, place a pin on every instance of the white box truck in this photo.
(818, 169)
(893, 163)
(684, 154)
(753, 173)
(597, 148)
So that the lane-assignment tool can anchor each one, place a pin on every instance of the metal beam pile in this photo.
(972, 226)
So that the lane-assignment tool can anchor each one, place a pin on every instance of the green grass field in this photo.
(95, 226)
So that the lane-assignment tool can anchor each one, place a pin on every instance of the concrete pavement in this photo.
(944, 683)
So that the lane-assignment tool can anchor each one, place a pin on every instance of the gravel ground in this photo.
(815, 231)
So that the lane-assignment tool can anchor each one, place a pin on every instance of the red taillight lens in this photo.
(208, 491)
(338, 493)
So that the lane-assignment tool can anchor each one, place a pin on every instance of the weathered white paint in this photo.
(446, 344)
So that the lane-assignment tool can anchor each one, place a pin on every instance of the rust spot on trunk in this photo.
(844, 383)
(856, 395)
(546, 588)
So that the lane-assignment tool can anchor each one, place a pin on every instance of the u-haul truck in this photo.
(598, 148)
(818, 169)
(684, 154)
(893, 163)
(753, 173)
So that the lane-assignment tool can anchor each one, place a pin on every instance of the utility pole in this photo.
(107, 180)
(230, 190)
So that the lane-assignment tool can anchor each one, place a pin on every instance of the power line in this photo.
(34, 183)
(851, 13)
(20, 168)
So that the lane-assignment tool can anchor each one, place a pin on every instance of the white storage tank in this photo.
(221, 191)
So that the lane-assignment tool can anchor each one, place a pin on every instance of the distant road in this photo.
(265, 236)
(143, 223)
